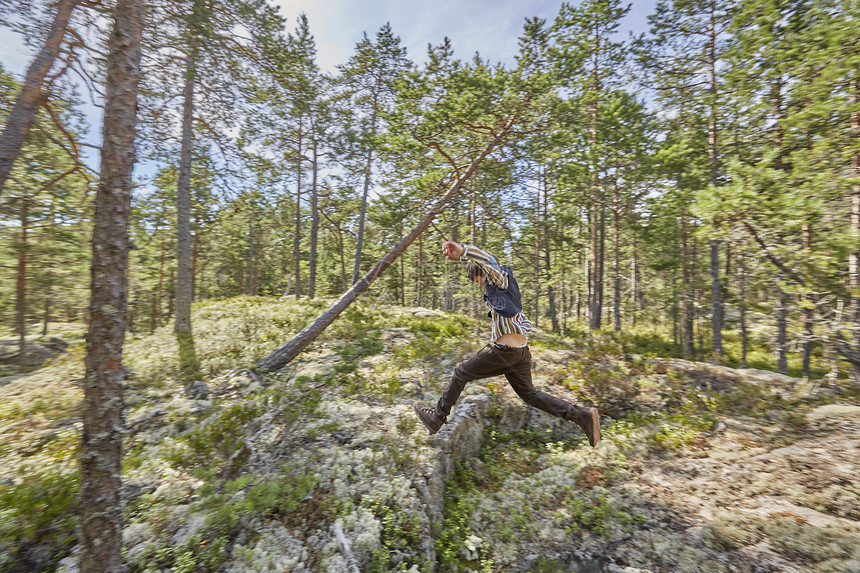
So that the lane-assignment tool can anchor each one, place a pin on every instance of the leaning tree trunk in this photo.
(32, 95)
(102, 411)
(303, 339)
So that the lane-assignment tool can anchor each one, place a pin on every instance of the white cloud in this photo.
(491, 27)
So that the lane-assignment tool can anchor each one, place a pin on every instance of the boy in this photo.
(507, 354)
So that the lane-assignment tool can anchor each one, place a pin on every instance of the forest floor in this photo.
(701, 467)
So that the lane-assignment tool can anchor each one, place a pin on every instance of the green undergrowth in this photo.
(39, 512)
(501, 489)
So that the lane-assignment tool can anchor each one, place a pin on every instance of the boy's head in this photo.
(476, 274)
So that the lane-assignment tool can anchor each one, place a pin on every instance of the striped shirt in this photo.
(517, 324)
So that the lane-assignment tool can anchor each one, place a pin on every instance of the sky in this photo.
(491, 27)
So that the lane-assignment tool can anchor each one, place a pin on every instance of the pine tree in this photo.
(101, 448)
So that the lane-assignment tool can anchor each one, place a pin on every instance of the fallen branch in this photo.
(287, 352)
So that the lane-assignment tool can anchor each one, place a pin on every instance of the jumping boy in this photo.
(507, 354)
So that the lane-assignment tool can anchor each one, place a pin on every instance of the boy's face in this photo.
(481, 282)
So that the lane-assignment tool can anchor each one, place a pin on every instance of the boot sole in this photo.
(595, 428)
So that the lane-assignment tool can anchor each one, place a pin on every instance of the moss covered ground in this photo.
(702, 467)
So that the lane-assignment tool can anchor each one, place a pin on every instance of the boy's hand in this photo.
(452, 250)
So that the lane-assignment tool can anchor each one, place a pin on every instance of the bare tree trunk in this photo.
(294, 347)
(742, 303)
(854, 257)
(688, 350)
(32, 94)
(716, 300)
(536, 315)
(298, 237)
(420, 274)
(809, 313)
(315, 221)
(553, 315)
(102, 411)
(160, 291)
(361, 217)
(183, 200)
(782, 331)
(195, 251)
(21, 287)
(252, 287)
(616, 211)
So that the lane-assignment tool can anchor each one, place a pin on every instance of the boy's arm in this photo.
(487, 262)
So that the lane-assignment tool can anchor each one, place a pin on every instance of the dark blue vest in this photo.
(507, 302)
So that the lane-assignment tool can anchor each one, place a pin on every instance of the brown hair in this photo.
(474, 270)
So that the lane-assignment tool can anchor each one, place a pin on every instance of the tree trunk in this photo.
(303, 339)
(102, 411)
(47, 316)
(742, 303)
(782, 331)
(536, 314)
(361, 217)
(315, 222)
(854, 257)
(713, 160)
(616, 212)
(553, 315)
(688, 350)
(160, 291)
(298, 237)
(809, 313)
(716, 300)
(419, 279)
(195, 252)
(183, 201)
(252, 288)
(21, 287)
(32, 94)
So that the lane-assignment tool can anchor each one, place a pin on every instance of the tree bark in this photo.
(854, 257)
(616, 212)
(713, 160)
(298, 236)
(21, 287)
(315, 222)
(742, 303)
(32, 94)
(550, 291)
(183, 200)
(688, 349)
(782, 331)
(716, 300)
(536, 315)
(102, 411)
(303, 339)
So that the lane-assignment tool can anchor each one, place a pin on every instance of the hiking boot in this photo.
(589, 420)
(432, 421)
